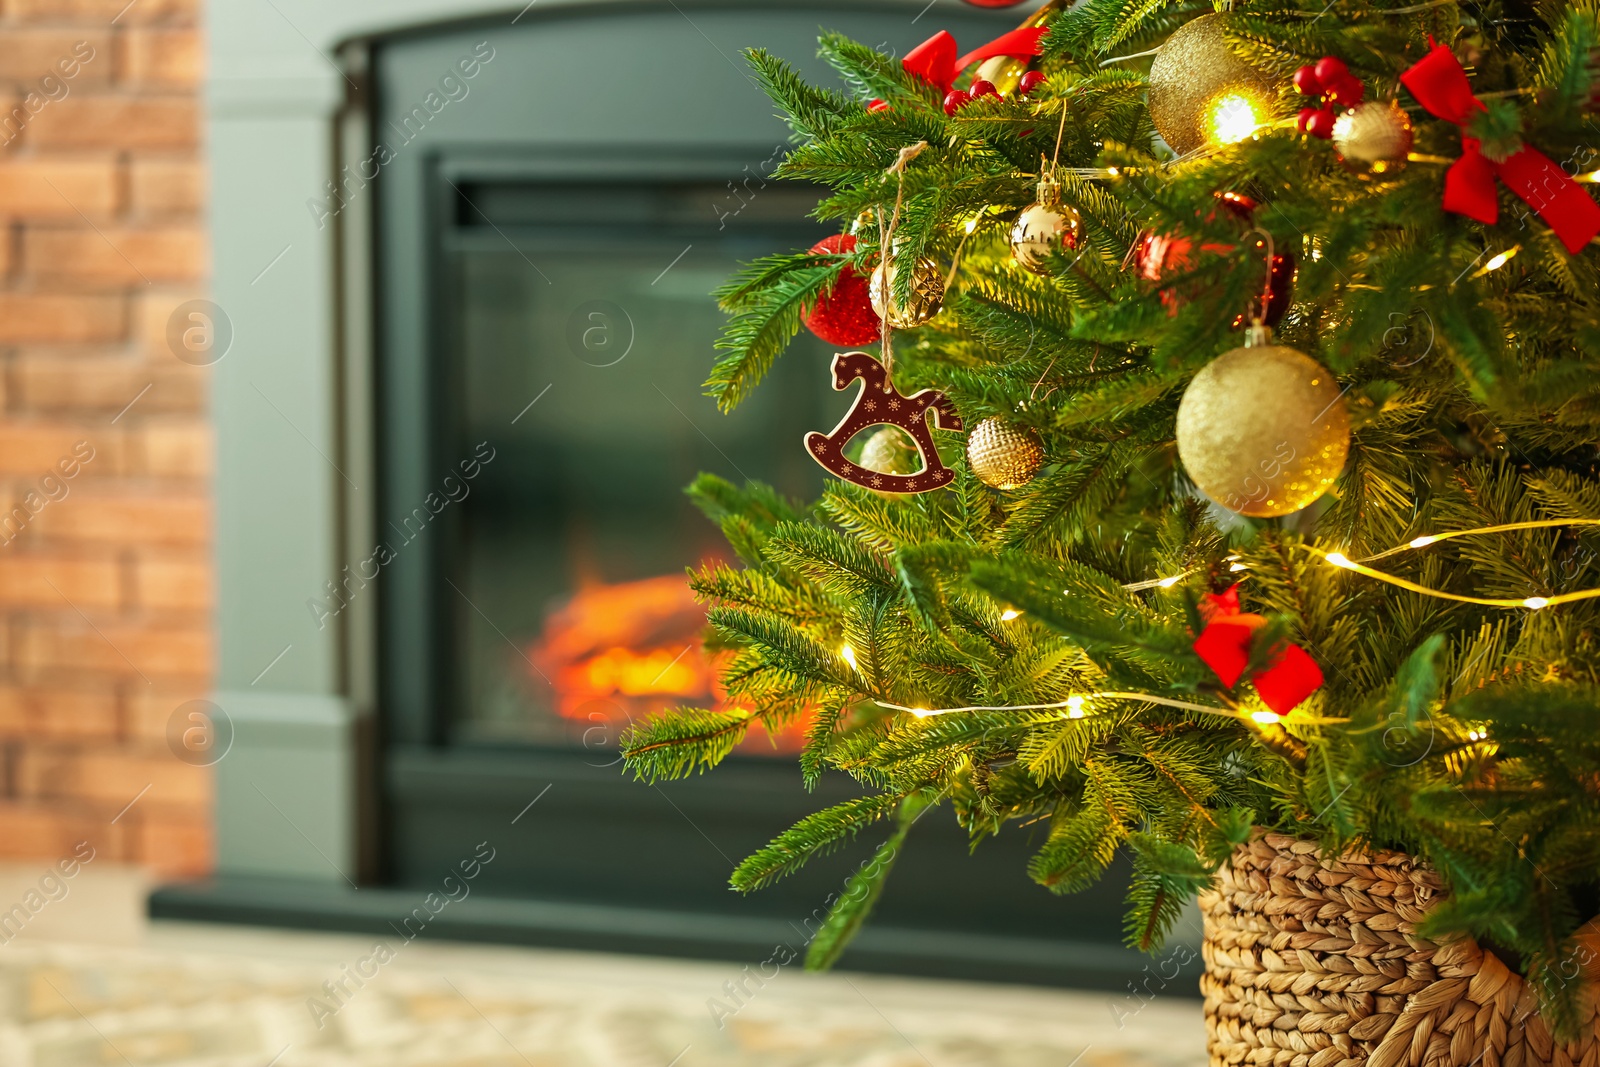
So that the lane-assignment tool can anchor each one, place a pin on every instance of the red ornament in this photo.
(955, 100)
(843, 315)
(1304, 121)
(877, 105)
(1159, 256)
(982, 87)
(1346, 92)
(1441, 86)
(1321, 123)
(1224, 645)
(1030, 81)
(1329, 69)
(879, 403)
(1306, 80)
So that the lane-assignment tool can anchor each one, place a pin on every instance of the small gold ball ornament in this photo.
(1373, 138)
(1262, 430)
(1202, 93)
(890, 450)
(1003, 455)
(1044, 229)
(927, 294)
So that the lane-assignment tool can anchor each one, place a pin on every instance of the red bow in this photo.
(934, 60)
(1440, 85)
(1224, 646)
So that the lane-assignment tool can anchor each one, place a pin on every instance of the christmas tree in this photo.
(1189, 576)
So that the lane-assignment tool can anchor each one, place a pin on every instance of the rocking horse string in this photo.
(886, 246)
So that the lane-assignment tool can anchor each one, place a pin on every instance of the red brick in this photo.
(109, 779)
(26, 56)
(94, 514)
(35, 316)
(57, 581)
(174, 846)
(50, 381)
(142, 653)
(165, 58)
(173, 583)
(49, 833)
(172, 449)
(139, 12)
(59, 714)
(150, 709)
(161, 187)
(115, 255)
(111, 121)
(56, 188)
(34, 449)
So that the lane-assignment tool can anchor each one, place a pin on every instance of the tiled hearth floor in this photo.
(192, 995)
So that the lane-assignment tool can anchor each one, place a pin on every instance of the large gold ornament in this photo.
(1003, 455)
(1202, 93)
(927, 295)
(1373, 138)
(1044, 229)
(1262, 429)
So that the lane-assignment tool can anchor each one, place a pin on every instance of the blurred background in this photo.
(353, 356)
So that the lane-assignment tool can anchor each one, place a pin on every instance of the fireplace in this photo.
(524, 245)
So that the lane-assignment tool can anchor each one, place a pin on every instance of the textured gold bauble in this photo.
(927, 295)
(1202, 93)
(1262, 429)
(1045, 229)
(890, 450)
(1003, 455)
(1373, 138)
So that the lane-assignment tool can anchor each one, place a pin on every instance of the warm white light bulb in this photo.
(1074, 707)
(1534, 603)
(921, 713)
(1238, 567)
(1168, 583)
(972, 224)
(1266, 718)
(1009, 614)
(1422, 542)
(1233, 118)
(849, 655)
(1338, 559)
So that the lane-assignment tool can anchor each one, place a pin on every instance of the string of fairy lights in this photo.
(1076, 707)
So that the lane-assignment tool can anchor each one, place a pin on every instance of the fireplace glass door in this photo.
(581, 334)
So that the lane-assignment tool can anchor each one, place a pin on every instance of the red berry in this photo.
(1306, 80)
(1030, 81)
(1305, 117)
(1321, 124)
(955, 100)
(982, 87)
(877, 105)
(1347, 91)
(1330, 69)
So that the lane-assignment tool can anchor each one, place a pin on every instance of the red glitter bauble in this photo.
(843, 315)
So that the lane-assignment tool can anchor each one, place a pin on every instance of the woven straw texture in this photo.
(1315, 962)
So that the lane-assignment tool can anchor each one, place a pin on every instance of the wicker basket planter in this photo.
(1315, 962)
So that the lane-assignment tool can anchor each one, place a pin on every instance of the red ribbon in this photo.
(1290, 676)
(1440, 85)
(935, 62)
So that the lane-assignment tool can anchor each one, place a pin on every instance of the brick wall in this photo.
(105, 592)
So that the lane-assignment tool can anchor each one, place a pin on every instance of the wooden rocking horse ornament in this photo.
(879, 403)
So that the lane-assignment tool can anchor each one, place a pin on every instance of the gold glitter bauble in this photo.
(1373, 138)
(1202, 93)
(1003, 455)
(1262, 429)
(890, 451)
(1044, 229)
(927, 295)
